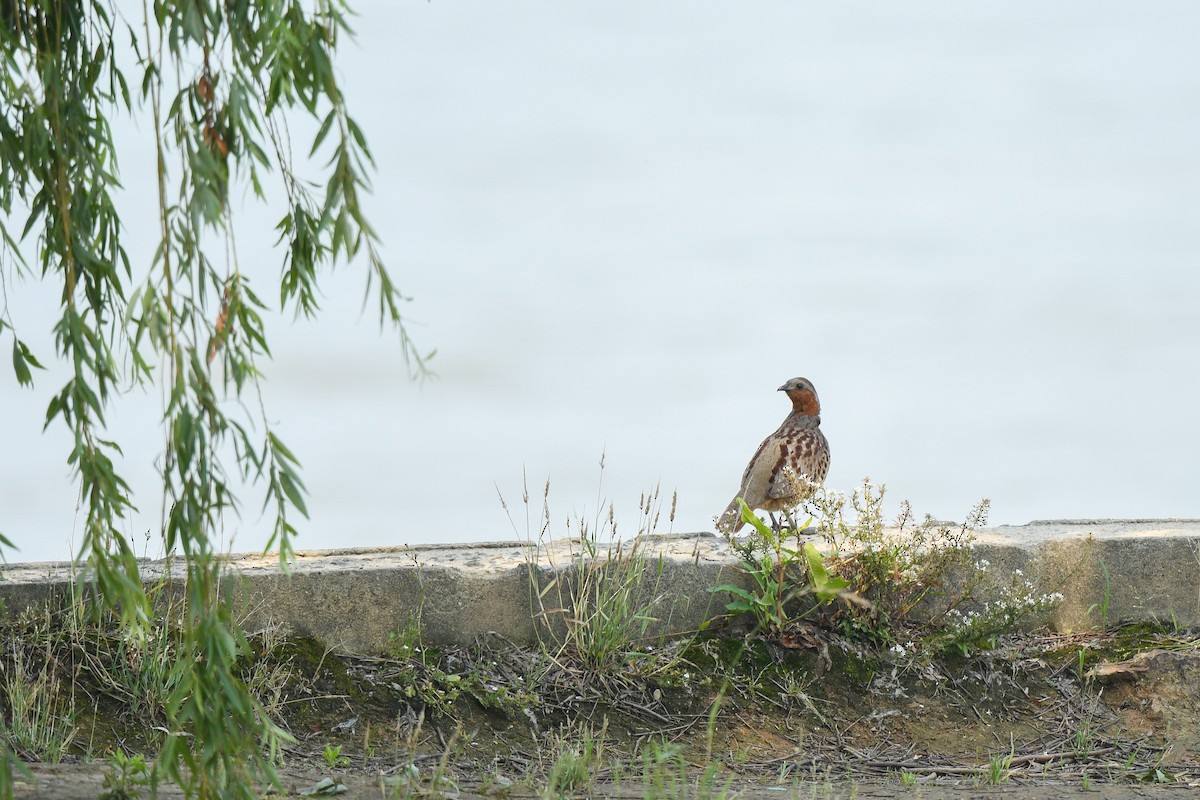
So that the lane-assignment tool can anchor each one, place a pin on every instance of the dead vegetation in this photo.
(722, 707)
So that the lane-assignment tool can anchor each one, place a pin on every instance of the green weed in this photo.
(910, 586)
(1000, 767)
(1006, 605)
(576, 757)
(333, 757)
(39, 722)
(437, 782)
(1083, 741)
(599, 606)
(664, 771)
(405, 641)
(783, 573)
(125, 777)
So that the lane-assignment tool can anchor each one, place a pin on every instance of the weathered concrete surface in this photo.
(1144, 570)
(1124, 570)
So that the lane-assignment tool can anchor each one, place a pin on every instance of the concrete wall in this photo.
(354, 599)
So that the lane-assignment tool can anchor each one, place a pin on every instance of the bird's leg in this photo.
(775, 526)
(798, 532)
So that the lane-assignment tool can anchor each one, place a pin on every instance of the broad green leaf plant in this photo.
(782, 573)
(216, 83)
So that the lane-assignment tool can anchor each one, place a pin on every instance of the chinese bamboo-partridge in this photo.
(789, 462)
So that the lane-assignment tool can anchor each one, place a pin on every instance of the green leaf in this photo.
(322, 788)
(22, 361)
(285, 455)
(323, 132)
(825, 586)
(291, 487)
(737, 591)
(24, 377)
(749, 516)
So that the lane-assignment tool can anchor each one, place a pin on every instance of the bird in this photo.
(788, 465)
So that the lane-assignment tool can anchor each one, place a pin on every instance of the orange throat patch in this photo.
(804, 402)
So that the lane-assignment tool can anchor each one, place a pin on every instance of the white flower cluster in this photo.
(1017, 601)
(960, 621)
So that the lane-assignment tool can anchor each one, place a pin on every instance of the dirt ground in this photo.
(1112, 715)
(85, 782)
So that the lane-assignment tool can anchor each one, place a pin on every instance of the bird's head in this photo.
(803, 396)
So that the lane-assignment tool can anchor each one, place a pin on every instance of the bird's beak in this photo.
(782, 388)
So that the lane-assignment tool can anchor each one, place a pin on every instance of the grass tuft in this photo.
(600, 610)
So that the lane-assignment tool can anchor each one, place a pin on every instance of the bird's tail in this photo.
(731, 520)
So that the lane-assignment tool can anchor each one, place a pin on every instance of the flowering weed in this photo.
(903, 587)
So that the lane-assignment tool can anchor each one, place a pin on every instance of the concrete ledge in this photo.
(1136, 570)
(1130, 570)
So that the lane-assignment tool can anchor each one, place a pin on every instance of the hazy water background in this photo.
(976, 227)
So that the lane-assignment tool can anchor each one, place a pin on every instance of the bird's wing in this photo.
(783, 477)
(758, 482)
